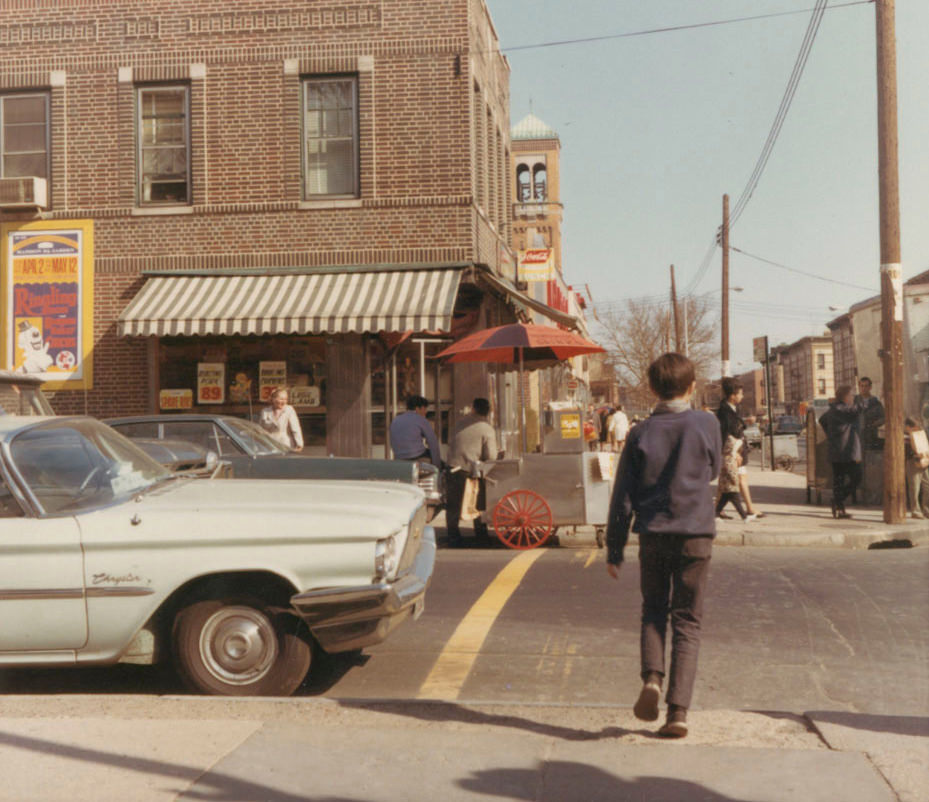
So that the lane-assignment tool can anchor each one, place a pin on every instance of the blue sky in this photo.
(655, 129)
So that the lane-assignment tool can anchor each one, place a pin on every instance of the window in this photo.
(820, 361)
(24, 135)
(330, 137)
(821, 387)
(164, 155)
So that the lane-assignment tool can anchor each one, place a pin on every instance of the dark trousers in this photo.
(454, 496)
(673, 572)
(736, 500)
(846, 476)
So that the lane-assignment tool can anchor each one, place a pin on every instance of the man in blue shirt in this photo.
(664, 483)
(412, 436)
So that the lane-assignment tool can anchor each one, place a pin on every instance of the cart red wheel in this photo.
(523, 519)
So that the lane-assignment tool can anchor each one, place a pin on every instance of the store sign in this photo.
(304, 396)
(760, 349)
(47, 302)
(271, 375)
(211, 383)
(176, 399)
(536, 264)
(570, 427)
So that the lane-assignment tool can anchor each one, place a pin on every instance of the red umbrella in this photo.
(520, 344)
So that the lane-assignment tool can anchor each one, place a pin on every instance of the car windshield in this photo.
(74, 465)
(254, 438)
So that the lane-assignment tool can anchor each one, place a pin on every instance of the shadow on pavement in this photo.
(896, 725)
(568, 781)
(449, 711)
(328, 669)
(213, 785)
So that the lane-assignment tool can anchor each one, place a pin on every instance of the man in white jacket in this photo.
(618, 428)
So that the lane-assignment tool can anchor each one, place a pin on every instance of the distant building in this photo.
(807, 372)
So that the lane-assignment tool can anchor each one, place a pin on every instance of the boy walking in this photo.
(664, 482)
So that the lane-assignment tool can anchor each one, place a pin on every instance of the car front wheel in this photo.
(240, 648)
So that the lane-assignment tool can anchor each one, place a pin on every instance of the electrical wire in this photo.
(672, 28)
(802, 272)
(786, 101)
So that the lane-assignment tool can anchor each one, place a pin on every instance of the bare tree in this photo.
(637, 334)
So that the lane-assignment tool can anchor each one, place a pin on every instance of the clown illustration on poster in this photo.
(44, 309)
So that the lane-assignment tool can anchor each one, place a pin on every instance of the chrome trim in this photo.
(93, 593)
(41, 593)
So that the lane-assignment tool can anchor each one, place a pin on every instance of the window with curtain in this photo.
(164, 153)
(330, 137)
(24, 135)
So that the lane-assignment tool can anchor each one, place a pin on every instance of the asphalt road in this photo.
(785, 630)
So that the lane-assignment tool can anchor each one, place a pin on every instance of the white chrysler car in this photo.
(107, 557)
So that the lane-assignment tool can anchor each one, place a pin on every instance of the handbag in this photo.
(469, 510)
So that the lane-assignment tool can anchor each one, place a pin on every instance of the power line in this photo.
(802, 272)
(672, 28)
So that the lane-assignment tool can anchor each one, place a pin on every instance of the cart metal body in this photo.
(564, 486)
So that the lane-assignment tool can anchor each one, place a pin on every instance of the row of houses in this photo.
(201, 202)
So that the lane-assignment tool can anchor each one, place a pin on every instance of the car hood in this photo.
(363, 510)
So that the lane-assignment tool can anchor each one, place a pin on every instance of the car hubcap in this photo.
(238, 645)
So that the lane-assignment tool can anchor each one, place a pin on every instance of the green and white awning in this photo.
(323, 302)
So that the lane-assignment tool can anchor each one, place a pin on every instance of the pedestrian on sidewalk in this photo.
(728, 486)
(731, 423)
(663, 483)
(840, 423)
(916, 449)
(474, 440)
(618, 425)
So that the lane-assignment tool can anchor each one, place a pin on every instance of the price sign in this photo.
(271, 375)
(211, 382)
(176, 399)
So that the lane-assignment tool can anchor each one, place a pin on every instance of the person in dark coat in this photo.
(663, 486)
(732, 425)
(841, 424)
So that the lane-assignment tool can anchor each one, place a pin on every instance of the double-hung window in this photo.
(24, 136)
(330, 137)
(164, 150)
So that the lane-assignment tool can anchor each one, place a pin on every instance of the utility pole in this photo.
(724, 242)
(677, 320)
(891, 271)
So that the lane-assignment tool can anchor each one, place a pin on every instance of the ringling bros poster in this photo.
(47, 301)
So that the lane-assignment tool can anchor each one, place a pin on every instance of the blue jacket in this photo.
(664, 479)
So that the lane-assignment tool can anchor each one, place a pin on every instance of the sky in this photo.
(655, 129)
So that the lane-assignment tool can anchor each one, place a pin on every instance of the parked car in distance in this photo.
(107, 557)
(753, 435)
(21, 394)
(788, 424)
(182, 456)
(253, 453)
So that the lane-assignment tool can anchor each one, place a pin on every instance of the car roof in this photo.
(12, 423)
(172, 416)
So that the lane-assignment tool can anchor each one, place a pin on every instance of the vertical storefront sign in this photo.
(47, 301)
(271, 375)
(211, 383)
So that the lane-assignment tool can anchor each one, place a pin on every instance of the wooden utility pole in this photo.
(724, 242)
(677, 318)
(891, 271)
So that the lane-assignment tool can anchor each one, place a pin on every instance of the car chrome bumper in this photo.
(342, 619)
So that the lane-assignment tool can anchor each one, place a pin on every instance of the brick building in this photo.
(315, 194)
(806, 373)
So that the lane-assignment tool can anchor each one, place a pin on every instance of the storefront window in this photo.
(244, 371)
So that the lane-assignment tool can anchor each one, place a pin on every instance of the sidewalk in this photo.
(788, 521)
(117, 748)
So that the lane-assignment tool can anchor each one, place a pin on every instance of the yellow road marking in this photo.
(591, 558)
(454, 664)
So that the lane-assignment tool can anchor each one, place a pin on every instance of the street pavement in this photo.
(118, 747)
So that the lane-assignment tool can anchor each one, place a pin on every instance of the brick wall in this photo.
(433, 97)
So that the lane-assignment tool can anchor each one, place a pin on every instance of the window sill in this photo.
(333, 203)
(146, 211)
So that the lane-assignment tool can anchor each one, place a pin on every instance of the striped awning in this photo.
(293, 303)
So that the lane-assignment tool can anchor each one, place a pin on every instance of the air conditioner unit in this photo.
(30, 192)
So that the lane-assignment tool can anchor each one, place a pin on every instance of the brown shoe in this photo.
(675, 725)
(646, 707)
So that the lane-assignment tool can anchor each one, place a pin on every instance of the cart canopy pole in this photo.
(522, 406)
